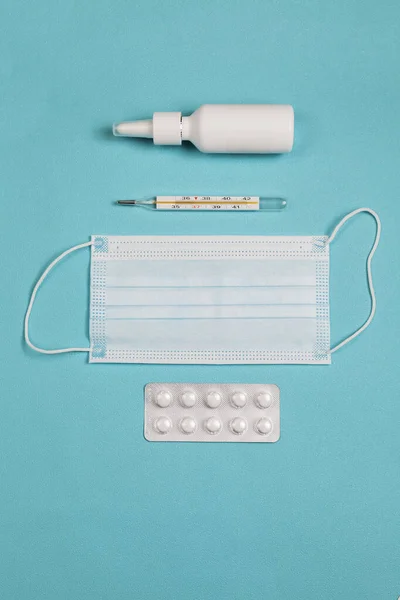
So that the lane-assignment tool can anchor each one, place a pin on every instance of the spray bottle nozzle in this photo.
(142, 129)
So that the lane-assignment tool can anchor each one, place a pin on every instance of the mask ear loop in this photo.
(369, 272)
(32, 300)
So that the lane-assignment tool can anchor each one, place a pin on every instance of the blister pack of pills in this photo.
(209, 412)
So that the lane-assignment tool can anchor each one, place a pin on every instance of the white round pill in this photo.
(163, 398)
(213, 425)
(238, 425)
(238, 399)
(188, 399)
(163, 425)
(188, 425)
(213, 399)
(264, 400)
(264, 426)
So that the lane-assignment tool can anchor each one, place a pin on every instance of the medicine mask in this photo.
(214, 300)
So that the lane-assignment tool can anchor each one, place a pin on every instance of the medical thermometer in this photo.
(215, 203)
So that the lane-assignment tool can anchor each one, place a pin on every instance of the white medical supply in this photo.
(217, 412)
(211, 300)
(213, 203)
(233, 128)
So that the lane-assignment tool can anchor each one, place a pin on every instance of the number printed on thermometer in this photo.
(208, 202)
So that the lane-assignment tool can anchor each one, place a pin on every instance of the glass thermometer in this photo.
(215, 203)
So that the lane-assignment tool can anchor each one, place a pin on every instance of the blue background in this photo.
(89, 509)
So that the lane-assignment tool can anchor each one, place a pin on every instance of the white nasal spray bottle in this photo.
(229, 128)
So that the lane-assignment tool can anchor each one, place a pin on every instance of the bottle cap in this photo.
(167, 128)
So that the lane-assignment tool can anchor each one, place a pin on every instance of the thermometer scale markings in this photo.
(208, 202)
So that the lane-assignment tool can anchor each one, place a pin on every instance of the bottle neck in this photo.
(186, 128)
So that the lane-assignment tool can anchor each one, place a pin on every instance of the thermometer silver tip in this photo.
(146, 202)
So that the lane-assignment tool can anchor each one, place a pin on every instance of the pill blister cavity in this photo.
(264, 426)
(188, 399)
(213, 399)
(213, 425)
(238, 399)
(188, 425)
(163, 398)
(163, 425)
(264, 399)
(238, 425)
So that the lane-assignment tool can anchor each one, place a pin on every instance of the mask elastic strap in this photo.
(369, 272)
(32, 300)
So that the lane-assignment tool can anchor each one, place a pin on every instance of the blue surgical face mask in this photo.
(214, 300)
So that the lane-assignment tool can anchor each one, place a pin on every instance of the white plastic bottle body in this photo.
(241, 128)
